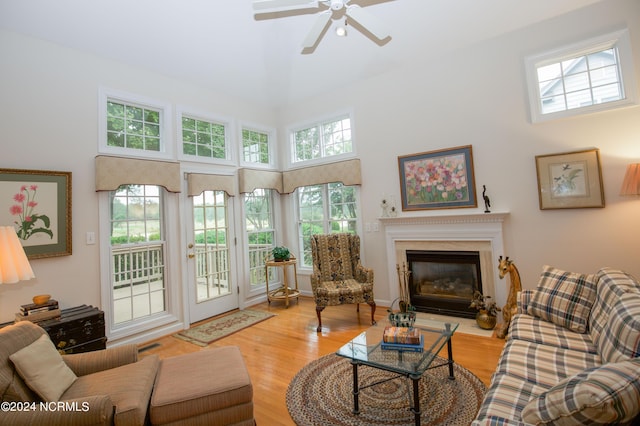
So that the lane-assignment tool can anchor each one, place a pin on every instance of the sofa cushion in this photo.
(128, 386)
(536, 330)
(608, 394)
(564, 298)
(541, 364)
(620, 339)
(507, 396)
(42, 368)
(612, 284)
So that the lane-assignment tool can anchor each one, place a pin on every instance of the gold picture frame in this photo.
(37, 203)
(441, 179)
(570, 180)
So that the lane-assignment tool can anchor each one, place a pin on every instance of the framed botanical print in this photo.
(570, 180)
(38, 205)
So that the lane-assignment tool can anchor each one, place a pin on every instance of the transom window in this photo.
(582, 78)
(255, 146)
(324, 209)
(132, 126)
(581, 81)
(325, 139)
(203, 138)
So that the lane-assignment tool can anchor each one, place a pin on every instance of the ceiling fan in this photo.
(366, 20)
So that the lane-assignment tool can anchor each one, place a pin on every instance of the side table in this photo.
(79, 329)
(284, 292)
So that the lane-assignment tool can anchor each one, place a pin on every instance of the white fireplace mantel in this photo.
(443, 227)
(445, 218)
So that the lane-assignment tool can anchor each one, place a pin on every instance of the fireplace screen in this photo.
(443, 282)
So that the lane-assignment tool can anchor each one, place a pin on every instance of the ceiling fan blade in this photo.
(316, 30)
(267, 6)
(370, 22)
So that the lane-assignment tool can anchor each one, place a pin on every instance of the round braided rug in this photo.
(322, 394)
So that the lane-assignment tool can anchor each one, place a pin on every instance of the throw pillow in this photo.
(43, 369)
(608, 394)
(564, 298)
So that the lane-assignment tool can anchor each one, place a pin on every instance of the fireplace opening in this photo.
(443, 282)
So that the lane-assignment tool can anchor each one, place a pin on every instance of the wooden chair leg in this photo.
(357, 307)
(318, 311)
(373, 311)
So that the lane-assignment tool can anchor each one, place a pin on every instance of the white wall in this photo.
(49, 121)
(477, 96)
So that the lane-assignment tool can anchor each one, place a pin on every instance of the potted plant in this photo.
(487, 315)
(281, 254)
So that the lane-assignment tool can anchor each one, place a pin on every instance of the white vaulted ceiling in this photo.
(222, 45)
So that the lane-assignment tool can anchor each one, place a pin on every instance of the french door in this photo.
(212, 285)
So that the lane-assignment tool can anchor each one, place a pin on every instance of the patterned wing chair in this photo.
(338, 276)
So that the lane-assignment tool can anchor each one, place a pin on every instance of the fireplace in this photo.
(443, 282)
(447, 231)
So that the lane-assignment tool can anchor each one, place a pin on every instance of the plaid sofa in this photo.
(573, 354)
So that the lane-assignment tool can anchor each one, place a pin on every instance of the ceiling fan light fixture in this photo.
(337, 4)
(341, 30)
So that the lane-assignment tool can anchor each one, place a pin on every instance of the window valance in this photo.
(112, 172)
(250, 179)
(199, 182)
(347, 172)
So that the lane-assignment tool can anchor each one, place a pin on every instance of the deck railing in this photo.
(141, 264)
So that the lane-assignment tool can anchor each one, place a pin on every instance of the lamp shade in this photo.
(14, 265)
(631, 183)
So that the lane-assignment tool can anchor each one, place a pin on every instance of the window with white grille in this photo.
(255, 147)
(204, 138)
(325, 209)
(329, 138)
(132, 125)
(261, 232)
(137, 253)
(591, 76)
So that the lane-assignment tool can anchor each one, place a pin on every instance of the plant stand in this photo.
(284, 292)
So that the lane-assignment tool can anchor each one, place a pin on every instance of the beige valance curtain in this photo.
(112, 172)
(199, 182)
(250, 179)
(347, 172)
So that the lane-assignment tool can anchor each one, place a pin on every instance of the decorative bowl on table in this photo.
(41, 299)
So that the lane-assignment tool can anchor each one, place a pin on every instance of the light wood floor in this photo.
(276, 349)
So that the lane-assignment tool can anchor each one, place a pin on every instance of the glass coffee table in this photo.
(365, 349)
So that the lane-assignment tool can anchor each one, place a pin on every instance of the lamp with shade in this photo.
(631, 182)
(14, 265)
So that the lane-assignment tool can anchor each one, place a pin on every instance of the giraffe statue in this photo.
(506, 266)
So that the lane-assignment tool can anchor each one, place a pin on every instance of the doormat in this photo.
(217, 328)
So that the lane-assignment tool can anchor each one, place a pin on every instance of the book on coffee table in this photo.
(405, 347)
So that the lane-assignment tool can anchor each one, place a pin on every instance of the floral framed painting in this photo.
(38, 205)
(438, 179)
(570, 180)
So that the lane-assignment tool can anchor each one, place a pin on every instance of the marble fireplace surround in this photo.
(480, 232)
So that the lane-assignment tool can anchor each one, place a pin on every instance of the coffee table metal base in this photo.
(415, 379)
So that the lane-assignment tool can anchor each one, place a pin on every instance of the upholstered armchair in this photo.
(107, 387)
(338, 276)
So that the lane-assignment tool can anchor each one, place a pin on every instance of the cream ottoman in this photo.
(209, 387)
